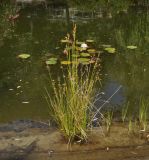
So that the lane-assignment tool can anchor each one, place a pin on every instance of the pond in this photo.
(38, 32)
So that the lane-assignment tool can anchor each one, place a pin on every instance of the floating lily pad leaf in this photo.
(75, 62)
(91, 50)
(24, 56)
(79, 48)
(52, 59)
(83, 60)
(131, 47)
(66, 62)
(75, 55)
(85, 54)
(48, 62)
(110, 50)
(106, 45)
(79, 43)
(89, 40)
(65, 41)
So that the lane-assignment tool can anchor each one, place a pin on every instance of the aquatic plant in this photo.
(72, 94)
(24, 56)
(108, 120)
(131, 47)
(143, 109)
(130, 125)
(110, 50)
(124, 111)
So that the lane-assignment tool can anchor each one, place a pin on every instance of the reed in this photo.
(108, 120)
(125, 111)
(143, 111)
(130, 125)
(73, 94)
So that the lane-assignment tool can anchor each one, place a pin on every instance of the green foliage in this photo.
(130, 125)
(125, 111)
(24, 56)
(131, 47)
(110, 50)
(73, 94)
(143, 109)
(51, 61)
(108, 120)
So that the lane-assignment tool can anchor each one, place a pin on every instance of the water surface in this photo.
(38, 32)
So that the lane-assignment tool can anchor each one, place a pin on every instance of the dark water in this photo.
(38, 32)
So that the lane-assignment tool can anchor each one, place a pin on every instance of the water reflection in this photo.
(38, 33)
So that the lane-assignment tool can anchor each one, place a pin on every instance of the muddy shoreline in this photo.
(28, 140)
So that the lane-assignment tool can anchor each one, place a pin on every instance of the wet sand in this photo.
(38, 142)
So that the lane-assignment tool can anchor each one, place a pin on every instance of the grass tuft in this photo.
(143, 111)
(72, 94)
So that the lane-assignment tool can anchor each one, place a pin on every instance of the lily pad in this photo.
(85, 54)
(65, 41)
(79, 43)
(83, 60)
(24, 56)
(65, 62)
(75, 55)
(131, 47)
(110, 50)
(75, 62)
(79, 48)
(89, 40)
(106, 45)
(51, 61)
(91, 50)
